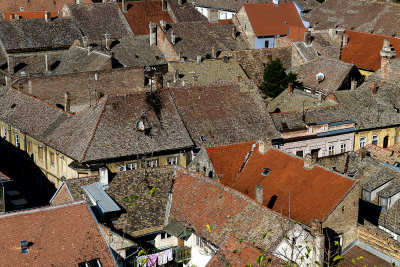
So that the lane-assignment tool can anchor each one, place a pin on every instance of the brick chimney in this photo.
(374, 88)
(107, 36)
(307, 37)
(319, 241)
(309, 161)
(259, 193)
(103, 173)
(47, 16)
(387, 53)
(153, 33)
(213, 15)
(158, 80)
(164, 5)
(362, 152)
(67, 102)
(124, 6)
(290, 88)
(10, 64)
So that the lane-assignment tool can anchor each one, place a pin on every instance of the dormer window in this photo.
(265, 172)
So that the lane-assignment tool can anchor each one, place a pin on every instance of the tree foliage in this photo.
(275, 79)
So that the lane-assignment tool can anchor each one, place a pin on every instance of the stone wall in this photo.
(166, 47)
(242, 22)
(202, 164)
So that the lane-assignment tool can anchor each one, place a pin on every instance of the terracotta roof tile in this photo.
(228, 159)
(62, 196)
(29, 14)
(37, 5)
(313, 193)
(225, 210)
(58, 235)
(365, 258)
(268, 19)
(363, 49)
(141, 13)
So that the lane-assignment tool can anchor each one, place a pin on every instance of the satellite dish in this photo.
(140, 126)
(320, 77)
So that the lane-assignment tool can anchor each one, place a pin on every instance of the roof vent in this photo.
(352, 173)
(140, 126)
(397, 164)
(24, 247)
(265, 172)
(202, 138)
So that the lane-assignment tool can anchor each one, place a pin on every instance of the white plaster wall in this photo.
(165, 242)
(200, 256)
(322, 142)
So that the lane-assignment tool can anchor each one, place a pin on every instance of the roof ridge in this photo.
(44, 208)
(376, 34)
(293, 111)
(95, 128)
(231, 144)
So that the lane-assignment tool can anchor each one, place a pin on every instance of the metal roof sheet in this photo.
(102, 199)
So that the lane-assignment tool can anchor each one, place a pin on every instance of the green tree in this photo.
(276, 80)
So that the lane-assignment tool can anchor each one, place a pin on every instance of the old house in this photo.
(319, 131)
(289, 185)
(192, 39)
(324, 75)
(364, 50)
(262, 24)
(36, 237)
(365, 16)
(31, 46)
(37, 6)
(236, 113)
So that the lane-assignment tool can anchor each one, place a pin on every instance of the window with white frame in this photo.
(363, 141)
(131, 166)
(152, 163)
(375, 139)
(199, 242)
(331, 150)
(5, 133)
(17, 143)
(343, 148)
(172, 160)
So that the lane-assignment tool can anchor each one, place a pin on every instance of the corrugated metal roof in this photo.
(97, 195)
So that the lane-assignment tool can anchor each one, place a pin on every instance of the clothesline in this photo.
(153, 260)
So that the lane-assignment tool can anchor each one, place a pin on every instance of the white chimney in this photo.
(153, 33)
(259, 193)
(276, 2)
(47, 16)
(103, 173)
(124, 6)
(108, 41)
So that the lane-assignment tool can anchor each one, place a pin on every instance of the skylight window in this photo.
(24, 247)
(265, 172)
(352, 173)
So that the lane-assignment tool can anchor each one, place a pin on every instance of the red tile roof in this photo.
(313, 193)
(29, 15)
(268, 19)
(37, 5)
(57, 236)
(363, 49)
(228, 159)
(141, 13)
(62, 196)
(234, 252)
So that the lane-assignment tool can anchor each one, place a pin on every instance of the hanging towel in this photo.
(142, 261)
(162, 258)
(168, 252)
(152, 260)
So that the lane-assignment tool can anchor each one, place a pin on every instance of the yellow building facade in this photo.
(55, 165)
(381, 137)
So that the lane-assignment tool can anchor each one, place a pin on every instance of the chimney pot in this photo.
(362, 152)
(67, 102)
(307, 37)
(124, 6)
(89, 49)
(47, 63)
(309, 161)
(163, 25)
(47, 16)
(103, 173)
(374, 88)
(290, 88)
(259, 193)
(353, 85)
(158, 80)
(10, 64)
(153, 33)
(199, 59)
(107, 36)
(164, 5)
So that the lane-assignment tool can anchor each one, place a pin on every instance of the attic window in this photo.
(13, 106)
(352, 173)
(265, 172)
(21, 8)
(24, 247)
(335, 169)
(396, 164)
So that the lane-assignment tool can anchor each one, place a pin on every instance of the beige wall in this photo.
(242, 22)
